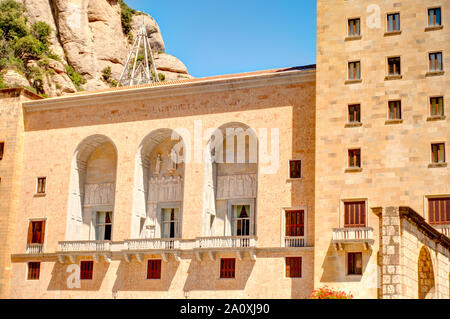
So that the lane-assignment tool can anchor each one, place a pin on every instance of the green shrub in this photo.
(2, 82)
(161, 77)
(106, 74)
(28, 48)
(12, 21)
(76, 78)
(41, 31)
(126, 17)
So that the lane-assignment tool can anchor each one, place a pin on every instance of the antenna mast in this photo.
(140, 59)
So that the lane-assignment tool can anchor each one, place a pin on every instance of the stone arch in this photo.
(230, 179)
(92, 185)
(158, 183)
(426, 278)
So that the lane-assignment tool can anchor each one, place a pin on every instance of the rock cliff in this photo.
(90, 38)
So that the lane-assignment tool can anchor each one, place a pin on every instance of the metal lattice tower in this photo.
(140, 60)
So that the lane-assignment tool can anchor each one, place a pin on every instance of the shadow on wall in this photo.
(205, 275)
(335, 265)
(425, 275)
(61, 276)
(132, 276)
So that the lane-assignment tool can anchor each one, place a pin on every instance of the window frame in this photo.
(430, 70)
(81, 270)
(358, 112)
(399, 107)
(399, 22)
(388, 59)
(354, 225)
(432, 154)
(223, 270)
(44, 187)
(147, 268)
(30, 231)
(303, 208)
(427, 207)
(290, 171)
(349, 158)
(178, 221)
(2, 150)
(430, 108)
(38, 271)
(288, 274)
(428, 17)
(356, 253)
(349, 27)
(229, 217)
(349, 70)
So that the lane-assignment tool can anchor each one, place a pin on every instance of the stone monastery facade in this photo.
(258, 185)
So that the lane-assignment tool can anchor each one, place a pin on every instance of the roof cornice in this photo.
(172, 90)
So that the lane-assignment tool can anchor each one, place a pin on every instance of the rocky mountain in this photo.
(87, 47)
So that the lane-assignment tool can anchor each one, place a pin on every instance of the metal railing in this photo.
(226, 242)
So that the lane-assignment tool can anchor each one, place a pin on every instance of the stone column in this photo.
(390, 254)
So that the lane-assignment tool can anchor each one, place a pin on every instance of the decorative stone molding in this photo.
(236, 186)
(98, 194)
(165, 189)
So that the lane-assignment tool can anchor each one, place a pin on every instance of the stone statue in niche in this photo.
(171, 164)
(158, 164)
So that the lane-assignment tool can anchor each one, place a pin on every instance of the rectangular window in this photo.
(295, 169)
(439, 211)
(103, 223)
(34, 269)
(438, 153)
(393, 22)
(395, 110)
(394, 66)
(354, 27)
(293, 267)
(354, 158)
(227, 268)
(436, 62)
(2, 149)
(354, 263)
(295, 223)
(241, 220)
(434, 17)
(36, 232)
(437, 106)
(154, 269)
(41, 181)
(170, 222)
(354, 70)
(354, 113)
(86, 269)
(354, 214)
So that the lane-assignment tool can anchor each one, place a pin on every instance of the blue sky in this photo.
(216, 37)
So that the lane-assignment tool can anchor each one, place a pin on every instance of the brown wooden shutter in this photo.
(30, 232)
(354, 214)
(42, 232)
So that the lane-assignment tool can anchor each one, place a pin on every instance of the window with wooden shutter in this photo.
(41, 181)
(394, 66)
(354, 158)
(354, 263)
(293, 267)
(295, 224)
(395, 110)
(295, 169)
(354, 113)
(154, 269)
(354, 214)
(86, 269)
(36, 232)
(437, 106)
(439, 211)
(227, 268)
(354, 27)
(435, 62)
(434, 17)
(438, 153)
(34, 269)
(393, 22)
(2, 149)
(354, 70)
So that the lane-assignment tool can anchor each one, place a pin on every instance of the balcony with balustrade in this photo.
(355, 235)
(294, 241)
(156, 246)
(214, 244)
(35, 249)
(94, 248)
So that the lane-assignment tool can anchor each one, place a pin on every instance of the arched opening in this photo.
(425, 275)
(92, 190)
(230, 182)
(158, 186)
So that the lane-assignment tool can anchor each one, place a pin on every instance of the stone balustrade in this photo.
(294, 241)
(34, 249)
(84, 245)
(226, 242)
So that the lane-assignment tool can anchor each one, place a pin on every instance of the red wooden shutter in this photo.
(42, 232)
(295, 224)
(30, 232)
(34, 270)
(154, 269)
(439, 211)
(86, 269)
(293, 267)
(354, 214)
(227, 267)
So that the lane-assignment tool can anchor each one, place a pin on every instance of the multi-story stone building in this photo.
(259, 185)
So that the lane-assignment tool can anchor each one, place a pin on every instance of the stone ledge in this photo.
(437, 165)
(353, 81)
(353, 38)
(391, 33)
(434, 73)
(397, 121)
(354, 124)
(353, 170)
(393, 77)
(436, 118)
(434, 28)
